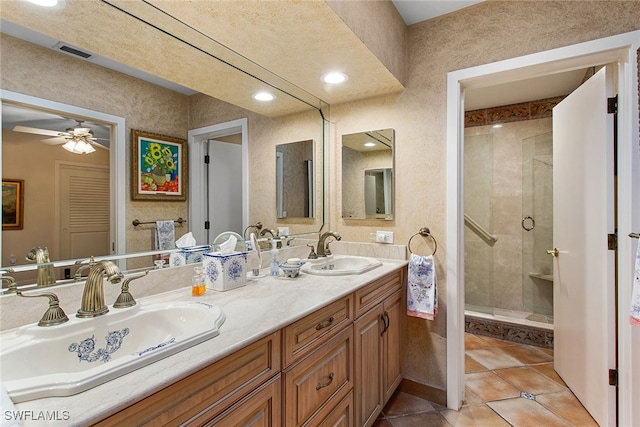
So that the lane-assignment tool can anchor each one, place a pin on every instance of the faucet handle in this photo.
(12, 286)
(54, 314)
(327, 251)
(312, 254)
(125, 299)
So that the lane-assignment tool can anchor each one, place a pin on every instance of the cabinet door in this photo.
(368, 366)
(391, 345)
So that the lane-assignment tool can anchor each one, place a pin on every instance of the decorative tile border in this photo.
(521, 334)
(512, 113)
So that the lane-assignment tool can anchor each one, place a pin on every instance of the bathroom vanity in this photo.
(310, 350)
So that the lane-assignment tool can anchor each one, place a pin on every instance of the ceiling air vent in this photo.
(72, 50)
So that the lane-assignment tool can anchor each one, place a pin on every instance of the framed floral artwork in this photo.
(159, 167)
(12, 204)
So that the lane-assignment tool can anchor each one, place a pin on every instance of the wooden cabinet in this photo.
(201, 396)
(377, 338)
(317, 383)
(261, 408)
(337, 366)
(310, 332)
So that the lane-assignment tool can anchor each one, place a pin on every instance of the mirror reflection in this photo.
(170, 112)
(294, 179)
(66, 189)
(367, 175)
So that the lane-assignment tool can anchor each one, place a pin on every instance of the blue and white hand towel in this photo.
(635, 292)
(165, 235)
(422, 291)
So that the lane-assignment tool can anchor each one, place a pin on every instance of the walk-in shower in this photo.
(508, 184)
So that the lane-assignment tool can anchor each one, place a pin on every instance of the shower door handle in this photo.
(553, 252)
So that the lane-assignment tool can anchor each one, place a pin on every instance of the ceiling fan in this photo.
(78, 139)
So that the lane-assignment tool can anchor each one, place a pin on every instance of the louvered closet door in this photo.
(84, 214)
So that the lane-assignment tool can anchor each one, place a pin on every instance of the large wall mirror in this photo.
(294, 179)
(368, 175)
(48, 121)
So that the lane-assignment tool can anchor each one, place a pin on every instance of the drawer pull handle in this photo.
(326, 383)
(324, 324)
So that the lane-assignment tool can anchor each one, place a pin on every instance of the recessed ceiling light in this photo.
(44, 3)
(369, 144)
(335, 77)
(263, 96)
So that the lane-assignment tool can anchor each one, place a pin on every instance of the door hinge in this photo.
(612, 242)
(613, 377)
(206, 225)
(206, 159)
(612, 105)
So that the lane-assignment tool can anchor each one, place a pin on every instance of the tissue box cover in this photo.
(194, 254)
(224, 272)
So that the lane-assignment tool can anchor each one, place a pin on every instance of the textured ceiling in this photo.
(203, 45)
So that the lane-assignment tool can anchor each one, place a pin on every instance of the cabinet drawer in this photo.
(308, 333)
(325, 375)
(340, 415)
(204, 394)
(373, 293)
(262, 408)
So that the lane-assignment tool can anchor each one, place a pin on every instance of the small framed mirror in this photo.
(294, 179)
(368, 175)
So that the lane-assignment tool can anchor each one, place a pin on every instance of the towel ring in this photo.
(424, 232)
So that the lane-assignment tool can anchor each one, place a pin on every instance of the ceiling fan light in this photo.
(78, 146)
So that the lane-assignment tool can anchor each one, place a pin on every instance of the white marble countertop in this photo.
(263, 306)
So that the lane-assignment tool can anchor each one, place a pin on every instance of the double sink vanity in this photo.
(323, 348)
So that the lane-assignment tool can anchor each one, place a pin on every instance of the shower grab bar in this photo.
(489, 238)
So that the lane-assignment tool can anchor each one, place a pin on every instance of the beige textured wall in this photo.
(379, 25)
(483, 33)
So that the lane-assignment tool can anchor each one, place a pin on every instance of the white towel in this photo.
(165, 235)
(10, 416)
(635, 293)
(422, 291)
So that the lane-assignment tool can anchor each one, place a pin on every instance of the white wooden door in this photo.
(584, 268)
(84, 210)
(225, 188)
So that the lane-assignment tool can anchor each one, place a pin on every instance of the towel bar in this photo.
(137, 222)
(424, 232)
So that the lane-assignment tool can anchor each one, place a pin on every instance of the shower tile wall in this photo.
(494, 198)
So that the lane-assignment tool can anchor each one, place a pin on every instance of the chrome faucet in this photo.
(92, 304)
(323, 249)
(46, 275)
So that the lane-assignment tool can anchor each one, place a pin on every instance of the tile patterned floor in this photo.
(496, 373)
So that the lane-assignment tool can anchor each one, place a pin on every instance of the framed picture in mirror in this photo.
(159, 167)
(12, 204)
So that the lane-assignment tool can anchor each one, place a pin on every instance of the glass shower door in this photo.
(537, 226)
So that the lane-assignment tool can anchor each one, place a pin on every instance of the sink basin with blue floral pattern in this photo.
(66, 359)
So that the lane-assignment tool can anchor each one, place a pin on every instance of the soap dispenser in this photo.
(275, 267)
